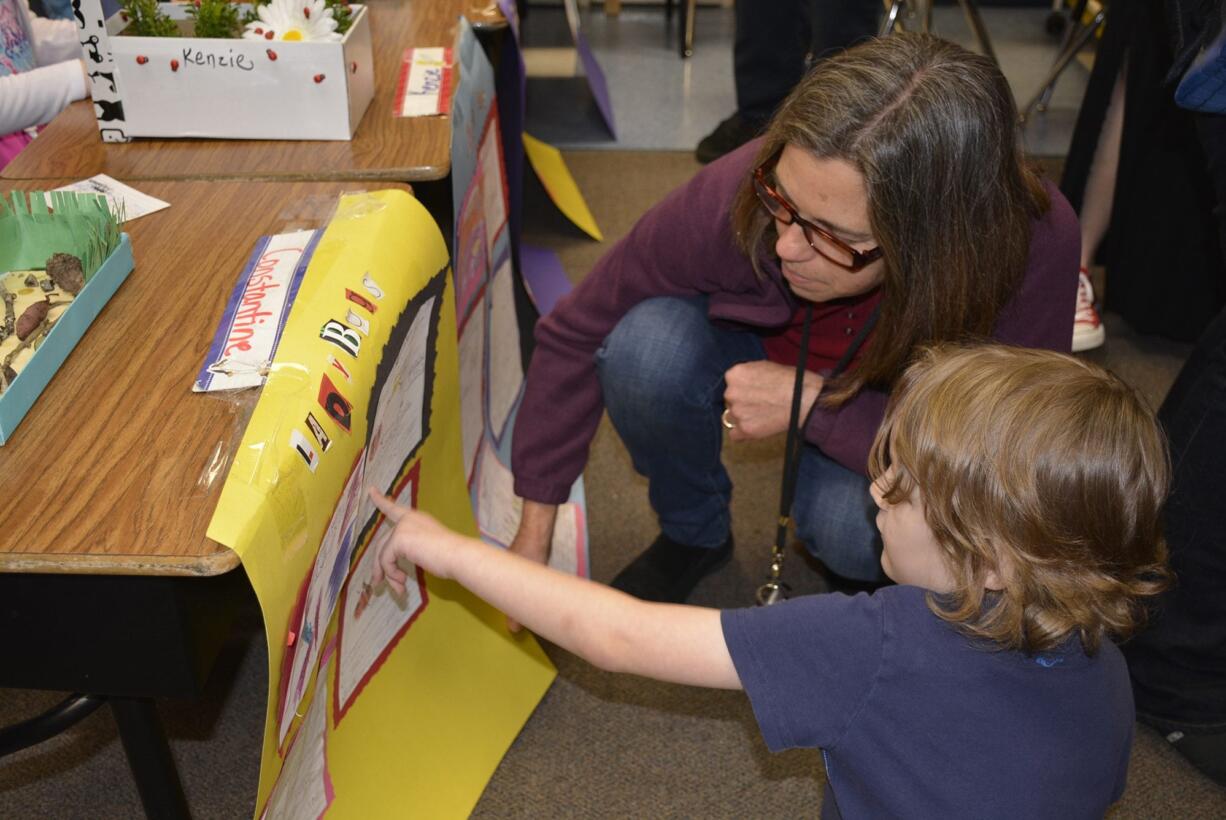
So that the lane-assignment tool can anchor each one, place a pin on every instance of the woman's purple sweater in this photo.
(684, 246)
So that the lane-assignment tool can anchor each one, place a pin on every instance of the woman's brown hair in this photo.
(1040, 468)
(933, 129)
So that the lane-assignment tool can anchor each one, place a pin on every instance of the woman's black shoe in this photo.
(668, 572)
(728, 136)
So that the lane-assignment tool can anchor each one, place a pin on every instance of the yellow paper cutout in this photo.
(431, 724)
(560, 185)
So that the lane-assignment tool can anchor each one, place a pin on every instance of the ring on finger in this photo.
(728, 423)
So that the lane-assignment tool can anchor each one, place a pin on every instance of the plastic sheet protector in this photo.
(378, 706)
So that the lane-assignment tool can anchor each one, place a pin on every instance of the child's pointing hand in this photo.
(416, 537)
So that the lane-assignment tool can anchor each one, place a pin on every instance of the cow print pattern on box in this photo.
(96, 51)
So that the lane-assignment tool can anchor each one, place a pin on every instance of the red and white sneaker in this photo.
(1088, 332)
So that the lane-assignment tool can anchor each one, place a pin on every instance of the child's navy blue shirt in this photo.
(916, 720)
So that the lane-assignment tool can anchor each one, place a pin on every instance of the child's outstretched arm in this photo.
(607, 628)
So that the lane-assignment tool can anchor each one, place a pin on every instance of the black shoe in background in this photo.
(668, 572)
(1205, 750)
(729, 135)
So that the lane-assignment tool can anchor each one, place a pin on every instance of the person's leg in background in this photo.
(775, 42)
(768, 59)
(838, 24)
(1095, 215)
(662, 374)
(1161, 251)
(836, 518)
(1178, 662)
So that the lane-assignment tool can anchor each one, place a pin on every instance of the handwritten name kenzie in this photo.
(194, 56)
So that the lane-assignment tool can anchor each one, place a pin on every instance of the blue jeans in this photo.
(662, 372)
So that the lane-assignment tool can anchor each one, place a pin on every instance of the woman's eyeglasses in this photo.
(820, 239)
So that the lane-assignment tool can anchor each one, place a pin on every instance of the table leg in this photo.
(149, 757)
(59, 718)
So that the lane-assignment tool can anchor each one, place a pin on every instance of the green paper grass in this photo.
(76, 223)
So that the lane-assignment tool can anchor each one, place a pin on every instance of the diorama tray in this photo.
(17, 400)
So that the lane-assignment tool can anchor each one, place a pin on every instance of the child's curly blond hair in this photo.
(1042, 468)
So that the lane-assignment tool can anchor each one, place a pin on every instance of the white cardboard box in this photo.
(239, 89)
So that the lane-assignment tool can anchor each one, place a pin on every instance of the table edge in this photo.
(68, 564)
(419, 173)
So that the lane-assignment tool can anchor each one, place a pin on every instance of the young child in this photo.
(40, 73)
(1019, 495)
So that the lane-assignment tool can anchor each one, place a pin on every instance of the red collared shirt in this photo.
(835, 325)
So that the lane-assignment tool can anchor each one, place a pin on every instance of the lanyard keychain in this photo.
(774, 590)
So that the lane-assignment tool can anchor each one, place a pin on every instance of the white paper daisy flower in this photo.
(293, 20)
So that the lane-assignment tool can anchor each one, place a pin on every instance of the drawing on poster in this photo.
(472, 250)
(499, 510)
(319, 598)
(398, 418)
(398, 422)
(569, 550)
(506, 371)
(493, 181)
(472, 379)
(304, 787)
(374, 619)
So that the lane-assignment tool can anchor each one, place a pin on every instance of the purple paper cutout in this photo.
(510, 11)
(596, 81)
(543, 274)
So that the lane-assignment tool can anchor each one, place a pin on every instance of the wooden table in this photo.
(108, 583)
(385, 147)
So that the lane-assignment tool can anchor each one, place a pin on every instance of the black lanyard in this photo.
(773, 590)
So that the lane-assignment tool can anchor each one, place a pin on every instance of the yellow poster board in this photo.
(551, 168)
(377, 706)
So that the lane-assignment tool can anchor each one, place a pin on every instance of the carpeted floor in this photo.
(599, 745)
